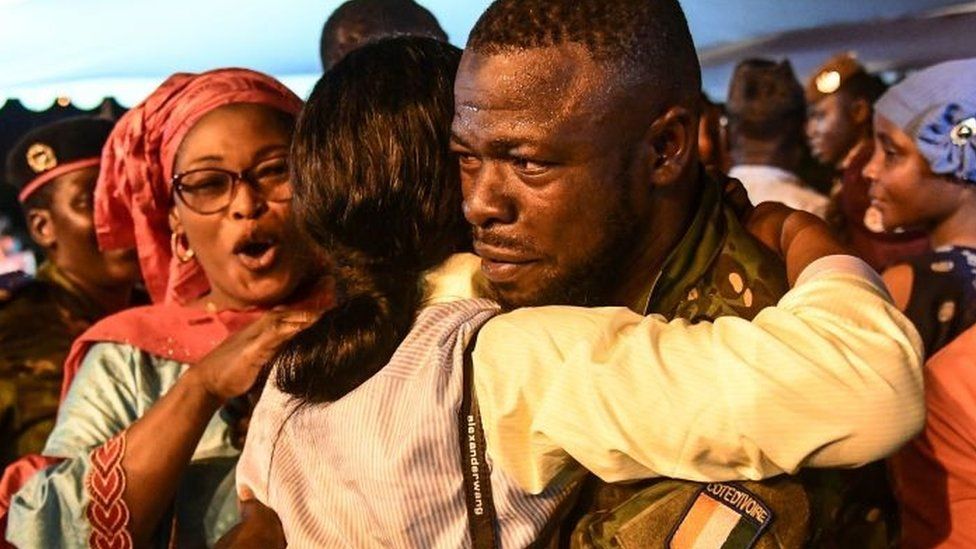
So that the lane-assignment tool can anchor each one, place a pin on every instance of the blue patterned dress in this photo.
(116, 385)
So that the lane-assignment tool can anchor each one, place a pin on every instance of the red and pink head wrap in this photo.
(132, 198)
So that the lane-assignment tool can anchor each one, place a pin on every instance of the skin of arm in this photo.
(799, 237)
(899, 280)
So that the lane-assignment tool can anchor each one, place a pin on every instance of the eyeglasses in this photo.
(209, 190)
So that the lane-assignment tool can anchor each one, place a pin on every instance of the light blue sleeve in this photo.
(114, 387)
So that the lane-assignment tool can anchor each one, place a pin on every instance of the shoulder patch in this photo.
(722, 516)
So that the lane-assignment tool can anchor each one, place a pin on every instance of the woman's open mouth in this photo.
(257, 252)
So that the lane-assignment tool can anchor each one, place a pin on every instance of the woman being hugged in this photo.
(368, 415)
(196, 178)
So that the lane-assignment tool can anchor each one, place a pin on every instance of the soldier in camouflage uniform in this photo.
(724, 271)
(54, 169)
(576, 126)
(717, 269)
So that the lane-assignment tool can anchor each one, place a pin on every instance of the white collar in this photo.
(765, 173)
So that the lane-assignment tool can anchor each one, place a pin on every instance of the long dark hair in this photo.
(376, 188)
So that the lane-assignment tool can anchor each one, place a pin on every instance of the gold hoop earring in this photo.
(174, 244)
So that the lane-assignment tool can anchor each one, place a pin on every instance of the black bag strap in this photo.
(477, 479)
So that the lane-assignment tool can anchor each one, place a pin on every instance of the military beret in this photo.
(832, 76)
(52, 150)
(763, 90)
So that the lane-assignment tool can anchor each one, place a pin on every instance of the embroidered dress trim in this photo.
(107, 512)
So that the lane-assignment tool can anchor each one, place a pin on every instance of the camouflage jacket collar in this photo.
(717, 268)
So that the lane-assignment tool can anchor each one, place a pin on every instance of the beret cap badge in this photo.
(41, 158)
(828, 82)
(963, 131)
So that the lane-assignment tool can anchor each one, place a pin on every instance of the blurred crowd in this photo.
(539, 292)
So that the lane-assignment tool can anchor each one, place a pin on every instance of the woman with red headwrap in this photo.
(196, 179)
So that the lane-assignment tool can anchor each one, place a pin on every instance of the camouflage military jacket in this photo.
(39, 319)
(717, 269)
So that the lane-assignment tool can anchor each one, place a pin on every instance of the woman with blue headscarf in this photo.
(923, 175)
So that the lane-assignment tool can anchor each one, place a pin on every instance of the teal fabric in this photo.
(115, 386)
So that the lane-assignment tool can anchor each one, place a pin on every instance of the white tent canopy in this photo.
(90, 49)
(897, 44)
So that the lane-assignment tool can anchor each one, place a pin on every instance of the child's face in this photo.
(903, 187)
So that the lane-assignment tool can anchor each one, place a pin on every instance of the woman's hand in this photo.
(765, 222)
(799, 237)
(232, 368)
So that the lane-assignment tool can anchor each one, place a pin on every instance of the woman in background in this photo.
(923, 175)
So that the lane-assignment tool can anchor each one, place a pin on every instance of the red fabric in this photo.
(172, 331)
(935, 474)
(880, 250)
(53, 174)
(132, 197)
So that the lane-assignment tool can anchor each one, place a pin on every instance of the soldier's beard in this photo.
(593, 282)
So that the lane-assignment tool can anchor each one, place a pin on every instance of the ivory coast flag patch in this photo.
(721, 516)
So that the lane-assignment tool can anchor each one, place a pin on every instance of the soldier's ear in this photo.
(42, 228)
(673, 139)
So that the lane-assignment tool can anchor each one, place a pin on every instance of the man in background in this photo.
(766, 116)
(357, 22)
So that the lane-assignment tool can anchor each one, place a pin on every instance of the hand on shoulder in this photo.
(232, 368)
(799, 237)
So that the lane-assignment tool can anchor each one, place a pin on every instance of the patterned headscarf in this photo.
(937, 107)
(132, 197)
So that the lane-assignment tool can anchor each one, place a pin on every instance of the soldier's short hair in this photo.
(645, 40)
